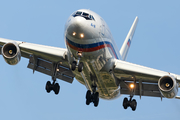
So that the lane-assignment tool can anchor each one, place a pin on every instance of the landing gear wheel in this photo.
(92, 98)
(88, 94)
(56, 88)
(125, 103)
(73, 67)
(130, 102)
(48, 86)
(88, 97)
(80, 67)
(133, 104)
(96, 99)
(87, 102)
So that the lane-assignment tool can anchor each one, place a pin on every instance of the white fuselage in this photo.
(87, 32)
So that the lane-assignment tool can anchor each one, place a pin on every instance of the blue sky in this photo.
(155, 44)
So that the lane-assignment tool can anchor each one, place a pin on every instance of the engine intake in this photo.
(11, 53)
(168, 86)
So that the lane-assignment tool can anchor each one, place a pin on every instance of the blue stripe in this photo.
(92, 45)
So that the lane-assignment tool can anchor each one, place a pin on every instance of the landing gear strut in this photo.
(92, 97)
(131, 102)
(54, 86)
(78, 63)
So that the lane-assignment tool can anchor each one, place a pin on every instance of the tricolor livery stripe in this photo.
(129, 42)
(90, 47)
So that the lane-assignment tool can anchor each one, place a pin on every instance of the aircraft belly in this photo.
(94, 58)
(92, 74)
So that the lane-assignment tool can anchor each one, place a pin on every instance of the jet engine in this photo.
(168, 86)
(11, 53)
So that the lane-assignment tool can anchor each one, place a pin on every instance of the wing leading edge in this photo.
(146, 78)
(49, 60)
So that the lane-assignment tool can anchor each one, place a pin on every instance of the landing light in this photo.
(74, 33)
(82, 35)
(131, 86)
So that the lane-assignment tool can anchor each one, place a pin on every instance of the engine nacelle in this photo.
(168, 86)
(11, 53)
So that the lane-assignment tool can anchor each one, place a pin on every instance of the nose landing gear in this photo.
(78, 63)
(73, 66)
(80, 67)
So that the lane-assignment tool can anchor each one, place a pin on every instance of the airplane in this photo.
(92, 57)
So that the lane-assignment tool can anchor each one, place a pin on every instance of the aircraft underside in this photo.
(92, 58)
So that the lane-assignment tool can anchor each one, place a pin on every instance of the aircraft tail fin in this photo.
(126, 45)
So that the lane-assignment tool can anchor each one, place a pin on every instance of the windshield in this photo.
(84, 14)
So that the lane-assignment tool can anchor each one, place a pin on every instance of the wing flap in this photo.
(48, 68)
(144, 90)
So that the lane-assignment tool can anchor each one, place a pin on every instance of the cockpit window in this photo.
(83, 14)
(78, 13)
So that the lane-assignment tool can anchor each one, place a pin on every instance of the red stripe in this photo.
(91, 49)
(112, 50)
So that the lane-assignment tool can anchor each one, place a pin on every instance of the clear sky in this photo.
(155, 44)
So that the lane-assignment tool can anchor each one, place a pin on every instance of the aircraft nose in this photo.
(80, 28)
(77, 23)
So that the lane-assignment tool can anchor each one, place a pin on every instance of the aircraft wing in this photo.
(49, 60)
(146, 78)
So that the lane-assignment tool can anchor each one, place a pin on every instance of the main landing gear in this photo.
(131, 102)
(54, 86)
(92, 97)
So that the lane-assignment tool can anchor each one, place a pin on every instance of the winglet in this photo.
(126, 45)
